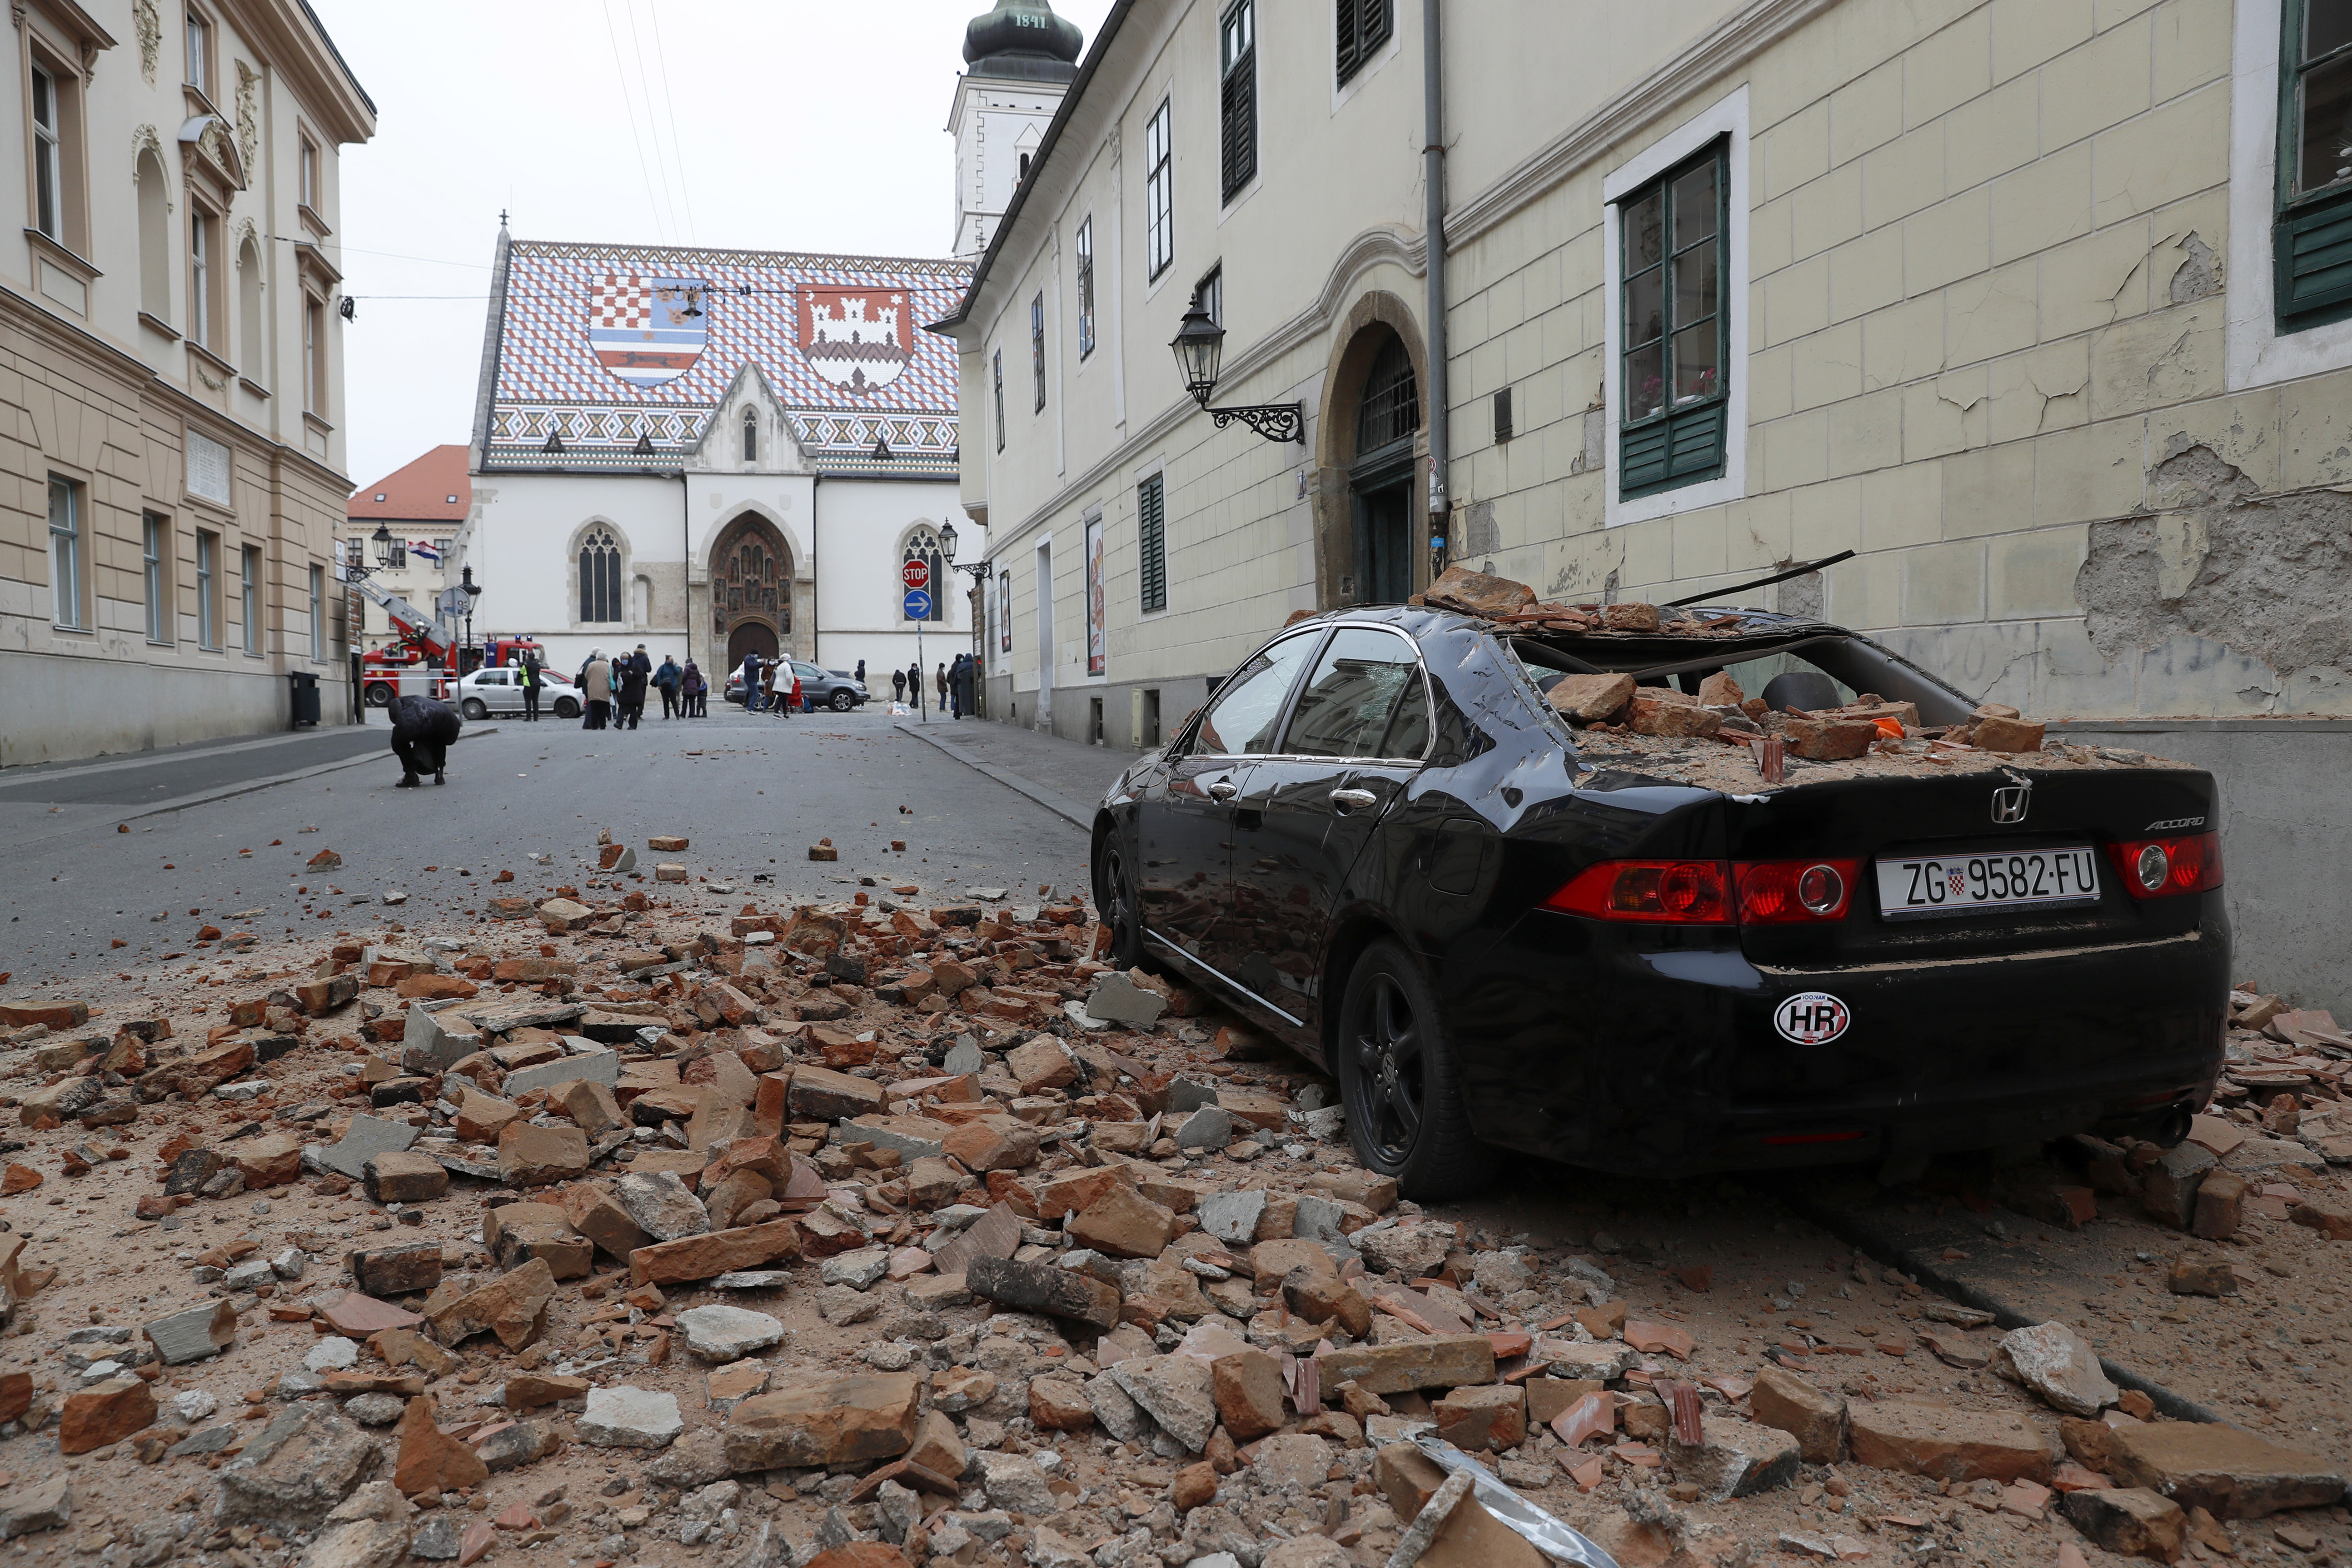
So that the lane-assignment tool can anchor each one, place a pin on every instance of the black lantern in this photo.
(948, 542)
(381, 539)
(1200, 348)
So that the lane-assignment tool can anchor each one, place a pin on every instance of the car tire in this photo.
(379, 694)
(474, 708)
(567, 707)
(843, 701)
(1121, 907)
(1401, 1084)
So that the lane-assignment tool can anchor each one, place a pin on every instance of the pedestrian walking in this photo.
(897, 686)
(691, 688)
(861, 672)
(527, 671)
(596, 692)
(753, 698)
(635, 670)
(667, 677)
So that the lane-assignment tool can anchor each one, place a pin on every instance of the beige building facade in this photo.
(170, 372)
(1986, 291)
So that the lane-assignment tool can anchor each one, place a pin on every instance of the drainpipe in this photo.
(1434, 227)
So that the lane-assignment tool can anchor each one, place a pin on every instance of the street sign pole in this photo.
(914, 574)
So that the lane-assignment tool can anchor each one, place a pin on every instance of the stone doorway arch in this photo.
(750, 590)
(1371, 496)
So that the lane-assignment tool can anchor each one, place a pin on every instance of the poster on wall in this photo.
(1005, 611)
(1097, 637)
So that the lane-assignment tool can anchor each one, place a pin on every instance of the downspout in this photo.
(1440, 402)
(686, 541)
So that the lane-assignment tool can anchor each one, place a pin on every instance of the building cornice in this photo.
(1735, 40)
(291, 39)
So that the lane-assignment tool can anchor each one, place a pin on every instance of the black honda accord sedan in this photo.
(1381, 842)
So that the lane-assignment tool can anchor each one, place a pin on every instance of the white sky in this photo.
(783, 125)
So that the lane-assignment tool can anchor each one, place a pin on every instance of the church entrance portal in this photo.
(751, 592)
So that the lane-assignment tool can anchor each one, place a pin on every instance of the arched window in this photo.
(600, 576)
(154, 238)
(751, 436)
(1391, 409)
(923, 545)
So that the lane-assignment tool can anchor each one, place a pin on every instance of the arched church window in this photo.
(923, 545)
(600, 576)
(751, 436)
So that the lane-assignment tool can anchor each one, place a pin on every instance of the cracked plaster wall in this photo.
(2219, 562)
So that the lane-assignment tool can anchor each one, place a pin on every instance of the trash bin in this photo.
(306, 697)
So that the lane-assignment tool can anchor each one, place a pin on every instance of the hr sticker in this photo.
(1811, 1018)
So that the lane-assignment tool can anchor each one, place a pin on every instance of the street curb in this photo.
(1864, 1237)
(1061, 806)
(226, 792)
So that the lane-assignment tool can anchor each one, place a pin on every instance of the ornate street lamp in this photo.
(472, 590)
(1200, 347)
(381, 539)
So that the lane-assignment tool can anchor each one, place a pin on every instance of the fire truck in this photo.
(423, 663)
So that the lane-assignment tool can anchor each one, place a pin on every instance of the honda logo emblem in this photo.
(2009, 805)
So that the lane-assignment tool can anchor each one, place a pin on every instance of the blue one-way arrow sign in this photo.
(918, 605)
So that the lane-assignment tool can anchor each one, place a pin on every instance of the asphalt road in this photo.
(752, 795)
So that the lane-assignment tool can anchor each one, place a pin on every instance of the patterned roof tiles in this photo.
(770, 307)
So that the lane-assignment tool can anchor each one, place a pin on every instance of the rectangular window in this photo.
(1364, 27)
(1237, 98)
(2312, 234)
(1151, 541)
(249, 598)
(310, 173)
(66, 553)
(999, 376)
(155, 560)
(200, 278)
(1211, 291)
(1004, 612)
(317, 611)
(207, 589)
(1037, 349)
(200, 53)
(314, 356)
(1159, 194)
(1085, 288)
(49, 158)
(1672, 326)
(395, 555)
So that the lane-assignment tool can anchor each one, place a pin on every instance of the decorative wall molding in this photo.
(249, 134)
(148, 24)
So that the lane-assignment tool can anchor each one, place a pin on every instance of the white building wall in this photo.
(863, 527)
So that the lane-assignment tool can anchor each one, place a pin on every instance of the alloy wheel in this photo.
(1390, 1078)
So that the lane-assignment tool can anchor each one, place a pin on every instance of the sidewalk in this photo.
(1067, 777)
(199, 766)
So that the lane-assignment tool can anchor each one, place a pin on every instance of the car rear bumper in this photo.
(1669, 1062)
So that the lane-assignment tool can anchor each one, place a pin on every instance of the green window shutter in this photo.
(2314, 259)
(1152, 536)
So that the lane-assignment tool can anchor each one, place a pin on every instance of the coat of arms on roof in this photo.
(648, 330)
(854, 338)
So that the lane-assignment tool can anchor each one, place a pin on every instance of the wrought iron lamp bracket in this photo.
(1279, 421)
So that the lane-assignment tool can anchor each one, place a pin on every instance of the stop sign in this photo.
(916, 574)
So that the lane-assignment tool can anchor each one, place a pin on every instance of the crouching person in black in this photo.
(422, 731)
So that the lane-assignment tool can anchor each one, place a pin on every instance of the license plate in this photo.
(1912, 889)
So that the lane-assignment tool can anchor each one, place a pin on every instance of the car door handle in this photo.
(1347, 800)
(1221, 790)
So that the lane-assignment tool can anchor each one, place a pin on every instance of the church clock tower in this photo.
(1021, 57)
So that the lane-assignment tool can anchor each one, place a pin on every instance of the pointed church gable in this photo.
(625, 355)
(719, 449)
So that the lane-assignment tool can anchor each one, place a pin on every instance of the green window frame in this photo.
(1674, 337)
(1151, 537)
(2312, 233)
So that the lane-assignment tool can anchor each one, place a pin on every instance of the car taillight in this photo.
(2161, 868)
(1658, 892)
(1794, 892)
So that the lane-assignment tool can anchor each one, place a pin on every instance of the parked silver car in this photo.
(489, 692)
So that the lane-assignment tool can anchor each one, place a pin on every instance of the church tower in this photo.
(1021, 57)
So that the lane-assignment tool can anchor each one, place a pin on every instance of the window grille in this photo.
(1390, 411)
